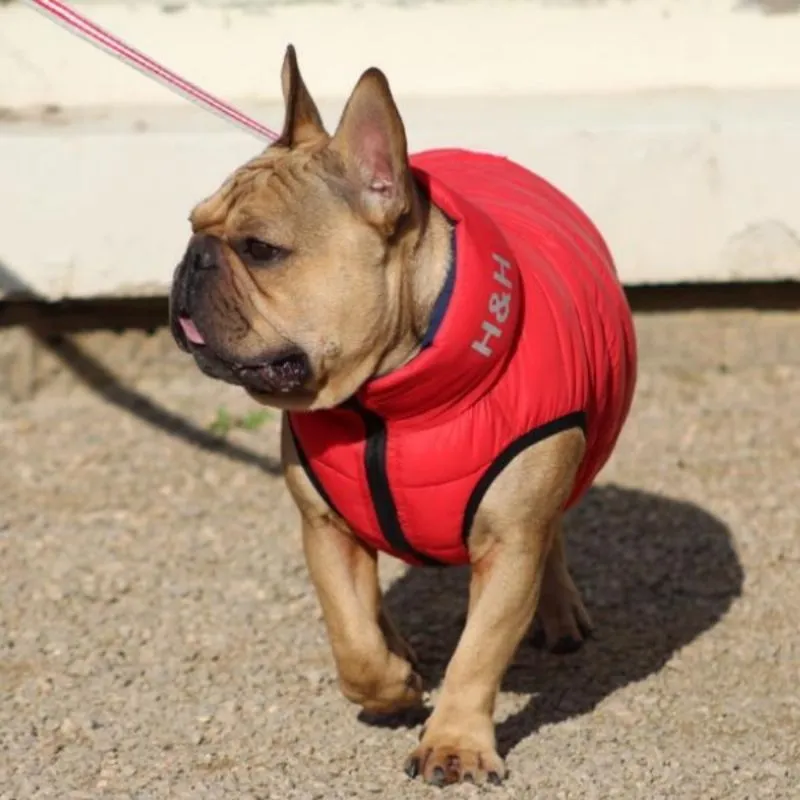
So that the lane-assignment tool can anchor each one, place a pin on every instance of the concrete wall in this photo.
(675, 124)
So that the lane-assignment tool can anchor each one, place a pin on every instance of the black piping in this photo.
(443, 300)
(575, 420)
(377, 480)
(380, 490)
(312, 476)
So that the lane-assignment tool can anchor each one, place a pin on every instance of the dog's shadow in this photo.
(654, 573)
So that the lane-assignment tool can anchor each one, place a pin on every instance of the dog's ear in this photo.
(371, 141)
(302, 122)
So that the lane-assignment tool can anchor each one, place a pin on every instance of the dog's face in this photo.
(289, 283)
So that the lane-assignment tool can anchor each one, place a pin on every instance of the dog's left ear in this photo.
(371, 141)
(302, 122)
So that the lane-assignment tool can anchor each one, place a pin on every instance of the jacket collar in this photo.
(473, 328)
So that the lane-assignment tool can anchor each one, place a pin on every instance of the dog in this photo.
(454, 358)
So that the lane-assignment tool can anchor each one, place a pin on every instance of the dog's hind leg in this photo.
(562, 622)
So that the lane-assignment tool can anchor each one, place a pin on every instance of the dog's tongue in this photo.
(190, 329)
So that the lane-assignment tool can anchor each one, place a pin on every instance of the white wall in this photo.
(675, 124)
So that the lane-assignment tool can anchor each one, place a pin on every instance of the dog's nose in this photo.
(202, 252)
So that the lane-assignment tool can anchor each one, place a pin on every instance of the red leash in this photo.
(94, 34)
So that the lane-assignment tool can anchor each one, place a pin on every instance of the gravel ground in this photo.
(159, 638)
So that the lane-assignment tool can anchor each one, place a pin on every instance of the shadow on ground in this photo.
(655, 574)
(101, 380)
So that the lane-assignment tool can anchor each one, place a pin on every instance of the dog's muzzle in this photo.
(201, 255)
(280, 372)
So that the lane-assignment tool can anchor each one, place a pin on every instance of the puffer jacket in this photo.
(531, 335)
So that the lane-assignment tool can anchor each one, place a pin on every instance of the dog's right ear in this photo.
(371, 141)
(302, 122)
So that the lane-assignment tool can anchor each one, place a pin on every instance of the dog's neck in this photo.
(423, 264)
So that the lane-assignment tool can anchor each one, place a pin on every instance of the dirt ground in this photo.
(159, 638)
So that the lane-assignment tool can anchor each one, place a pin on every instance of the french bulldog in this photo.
(454, 358)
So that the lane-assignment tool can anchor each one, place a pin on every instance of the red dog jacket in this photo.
(531, 335)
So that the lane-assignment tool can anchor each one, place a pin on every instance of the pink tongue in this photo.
(190, 329)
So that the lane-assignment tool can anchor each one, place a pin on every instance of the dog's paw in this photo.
(562, 639)
(562, 623)
(444, 759)
(397, 688)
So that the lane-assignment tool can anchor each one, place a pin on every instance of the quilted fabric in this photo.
(535, 336)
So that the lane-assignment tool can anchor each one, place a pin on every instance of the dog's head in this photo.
(290, 285)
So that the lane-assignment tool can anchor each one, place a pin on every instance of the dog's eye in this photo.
(263, 252)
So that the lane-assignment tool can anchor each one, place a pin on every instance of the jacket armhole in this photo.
(309, 470)
(576, 419)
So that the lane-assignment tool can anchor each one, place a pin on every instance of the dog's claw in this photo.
(412, 768)
(414, 681)
(453, 764)
(438, 777)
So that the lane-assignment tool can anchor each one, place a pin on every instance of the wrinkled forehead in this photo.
(214, 211)
(271, 183)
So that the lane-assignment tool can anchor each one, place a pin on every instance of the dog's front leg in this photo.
(374, 671)
(372, 660)
(514, 529)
